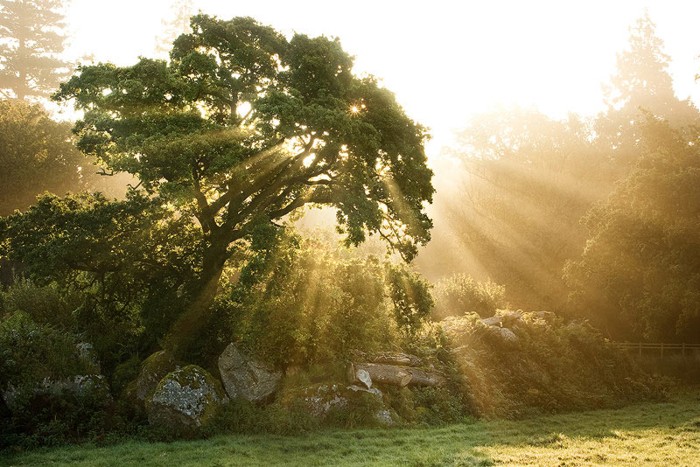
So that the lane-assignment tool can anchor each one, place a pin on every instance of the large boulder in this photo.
(245, 377)
(323, 398)
(326, 400)
(393, 375)
(153, 370)
(502, 328)
(185, 400)
(391, 358)
(505, 319)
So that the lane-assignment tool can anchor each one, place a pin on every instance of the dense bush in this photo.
(48, 383)
(537, 362)
(461, 294)
(301, 302)
(639, 276)
(49, 304)
(123, 267)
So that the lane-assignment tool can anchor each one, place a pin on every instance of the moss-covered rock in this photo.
(185, 400)
(246, 377)
(340, 405)
(153, 370)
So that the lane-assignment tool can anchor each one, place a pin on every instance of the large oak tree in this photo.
(242, 126)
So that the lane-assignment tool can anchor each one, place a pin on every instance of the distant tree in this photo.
(641, 78)
(639, 274)
(640, 88)
(31, 42)
(37, 154)
(527, 180)
(177, 23)
(242, 127)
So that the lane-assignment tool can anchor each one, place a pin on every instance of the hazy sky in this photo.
(445, 60)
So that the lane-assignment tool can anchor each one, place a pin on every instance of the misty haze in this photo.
(292, 233)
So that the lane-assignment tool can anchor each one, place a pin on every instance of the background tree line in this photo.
(533, 208)
(595, 218)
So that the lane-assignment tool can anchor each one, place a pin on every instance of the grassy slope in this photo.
(646, 434)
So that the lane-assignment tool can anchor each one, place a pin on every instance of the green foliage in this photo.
(32, 352)
(37, 154)
(184, 120)
(46, 305)
(241, 416)
(33, 37)
(242, 127)
(639, 275)
(428, 406)
(549, 365)
(125, 266)
(410, 295)
(461, 294)
(37, 367)
(299, 302)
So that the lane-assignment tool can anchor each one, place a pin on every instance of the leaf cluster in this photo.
(242, 123)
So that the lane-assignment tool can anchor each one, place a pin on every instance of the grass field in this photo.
(665, 433)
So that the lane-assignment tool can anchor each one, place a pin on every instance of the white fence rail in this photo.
(661, 349)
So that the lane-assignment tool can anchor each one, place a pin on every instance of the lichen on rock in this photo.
(185, 399)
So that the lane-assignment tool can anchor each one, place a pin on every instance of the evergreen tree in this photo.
(639, 91)
(31, 41)
(642, 78)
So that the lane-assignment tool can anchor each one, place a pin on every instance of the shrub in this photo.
(48, 385)
(32, 352)
(299, 303)
(48, 304)
(537, 362)
(461, 294)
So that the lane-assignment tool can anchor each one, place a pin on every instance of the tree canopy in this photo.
(639, 274)
(242, 126)
(641, 88)
(37, 154)
(31, 41)
(529, 180)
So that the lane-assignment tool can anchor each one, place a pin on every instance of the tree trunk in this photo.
(196, 315)
(22, 86)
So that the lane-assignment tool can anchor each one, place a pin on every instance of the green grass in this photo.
(646, 434)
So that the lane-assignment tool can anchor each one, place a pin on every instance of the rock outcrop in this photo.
(502, 326)
(153, 369)
(185, 400)
(245, 377)
(396, 369)
(394, 375)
